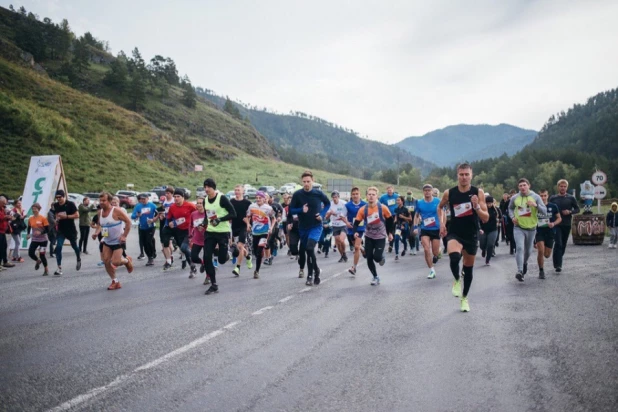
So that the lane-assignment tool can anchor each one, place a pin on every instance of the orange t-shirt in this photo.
(37, 225)
(376, 229)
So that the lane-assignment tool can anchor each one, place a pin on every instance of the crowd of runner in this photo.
(216, 229)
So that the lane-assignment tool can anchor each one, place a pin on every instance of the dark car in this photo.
(270, 190)
(128, 198)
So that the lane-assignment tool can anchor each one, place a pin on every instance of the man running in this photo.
(240, 228)
(545, 232)
(523, 210)
(307, 203)
(353, 206)
(428, 219)
(114, 234)
(196, 235)
(568, 207)
(379, 225)
(66, 213)
(165, 232)
(402, 227)
(219, 213)
(413, 240)
(489, 230)
(467, 205)
(146, 212)
(390, 200)
(294, 241)
(179, 221)
(337, 215)
(39, 227)
(262, 217)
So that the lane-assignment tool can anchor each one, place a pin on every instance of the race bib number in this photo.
(398, 232)
(463, 209)
(524, 211)
(294, 217)
(543, 222)
(328, 237)
(63, 214)
(180, 221)
(167, 210)
(145, 211)
(391, 202)
(105, 232)
(197, 222)
(263, 242)
(211, 214)
(373, 218)
(429, 222)
(410, 209)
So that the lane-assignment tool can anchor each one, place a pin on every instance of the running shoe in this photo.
(236, 271)
(439, 255)
(456, 290)
(345, 257)
(20, 260)
(558, 269)
(249, 263)
(167, 266)
(341, 260)
(115, 285)
(207, 280)
(45, 272)
(487, 263)
(375, 281)
(212, 289)
(301, 273)
(150, 262)
(432, 274)
(38, 265)
(309, 281)
(78, 265)
(256, 275)
(403, 253)
(326, 254)
(58, 272)
(184, 264)
(352, 271)
(541, 273)
(141, 257)
(390, 249)
(316, 280)
(465, 306)
(483, 253)
(192, 272)
(382, 262)
(519, 276)
(413, 252)
(267, 261)
(215, 263)
(100, 264)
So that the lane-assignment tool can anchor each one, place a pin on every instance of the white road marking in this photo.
(231, 325)
(285, 299)
(259, 312)
(305, 290)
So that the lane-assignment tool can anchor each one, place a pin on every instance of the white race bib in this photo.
(398, 232)
(211, 214)
(524, 211)
(463, 209)
(429, 222)
(373, 218)
(167, 210)
(410, 209)
(294, 217)
(391, 202)
(263, 242)
(197, 222)
(145, 211)
(543, 222)
(180, 221)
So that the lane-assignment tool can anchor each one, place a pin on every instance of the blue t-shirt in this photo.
(147, 212)
(389, 201)
(428, 212)
(550, 216)
(352, 212)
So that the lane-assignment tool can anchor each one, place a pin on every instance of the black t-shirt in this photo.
(66, 226)
(464, 220)
(401, 212)
(241, 207)
(492, 223)
(277, 209)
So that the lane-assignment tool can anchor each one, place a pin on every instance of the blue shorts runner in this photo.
(312, 233)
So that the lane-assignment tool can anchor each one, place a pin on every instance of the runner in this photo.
(219, 213)
(524, 209)
(285, 204)
(428, 218)
(39, 227)
(18, 225)
(355, 235)
(504, 210)
(306, 203)
(179, 221)
(337, 216)
(545, 232)
(273, 237)
(147, 214)
(324, 244)
(262, 217)
(390, 200)
(165, 233)
(467, 205)
(510, 238)
(402, 227)
(568, 207)
(379, 225)
(413, 240)
(489, 230)
(114, 234)
(611, 219)
(240, 226)
(196, 236)
(4, 230)
(294, 241)
(65, 213)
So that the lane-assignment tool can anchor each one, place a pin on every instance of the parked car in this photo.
(270, 190)
(200, 192)
(289, 188)
(128, 198)
(186, 191)
(250, 193)
(76, 198)
(94, 197)
(154, 198)
(230, 194)
(159, 190)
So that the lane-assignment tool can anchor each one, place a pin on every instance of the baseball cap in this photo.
(334, 193)
(60, 193)
(427, 186)
(489, 199)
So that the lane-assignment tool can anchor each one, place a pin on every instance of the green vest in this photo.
(526, 216)
(215, 210)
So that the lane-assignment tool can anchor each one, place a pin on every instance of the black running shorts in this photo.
(470, 245)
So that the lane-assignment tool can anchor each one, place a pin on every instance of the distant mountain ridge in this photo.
(453, 144)
(300, 139)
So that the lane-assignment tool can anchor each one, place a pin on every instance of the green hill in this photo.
(473, 142)
(308, 140)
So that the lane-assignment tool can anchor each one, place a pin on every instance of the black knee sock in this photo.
(467, 270)
(455, 258)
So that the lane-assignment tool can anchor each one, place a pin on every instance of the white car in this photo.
(153, 197)
(76, 198)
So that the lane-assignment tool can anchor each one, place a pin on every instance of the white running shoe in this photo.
(432, 274)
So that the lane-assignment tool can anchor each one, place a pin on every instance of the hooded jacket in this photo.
(612, 216)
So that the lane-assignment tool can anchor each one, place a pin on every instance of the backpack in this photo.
(379, 212)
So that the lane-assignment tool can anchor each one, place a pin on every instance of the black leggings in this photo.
(258, 251)
(84, 233)
(32, 252)
(294, 248)
(374, 251)
(312, 262)
(210, 243)
(195, 253)
(147, 241)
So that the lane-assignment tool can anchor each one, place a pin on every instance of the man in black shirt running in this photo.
(467, 205)
(567, 205)
(239, 228)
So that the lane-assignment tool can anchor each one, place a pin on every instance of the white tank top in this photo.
(111, 229)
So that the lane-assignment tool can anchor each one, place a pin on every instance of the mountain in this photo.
(303, 139)
(472, 142)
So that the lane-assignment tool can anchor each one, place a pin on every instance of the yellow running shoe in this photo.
(465, 307)
(456, 288)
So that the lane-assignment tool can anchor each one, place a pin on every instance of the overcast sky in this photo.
(387, 69)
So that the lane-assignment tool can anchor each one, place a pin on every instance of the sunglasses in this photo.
(59, 197)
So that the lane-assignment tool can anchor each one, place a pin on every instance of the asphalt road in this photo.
(273, 344)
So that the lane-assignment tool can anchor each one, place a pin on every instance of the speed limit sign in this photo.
(599, 178)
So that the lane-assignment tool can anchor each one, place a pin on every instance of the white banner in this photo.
(45, 176)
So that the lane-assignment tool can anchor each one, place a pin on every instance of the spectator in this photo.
(18, 225)
(4, 230)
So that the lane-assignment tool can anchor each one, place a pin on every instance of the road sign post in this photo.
(599, 178)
